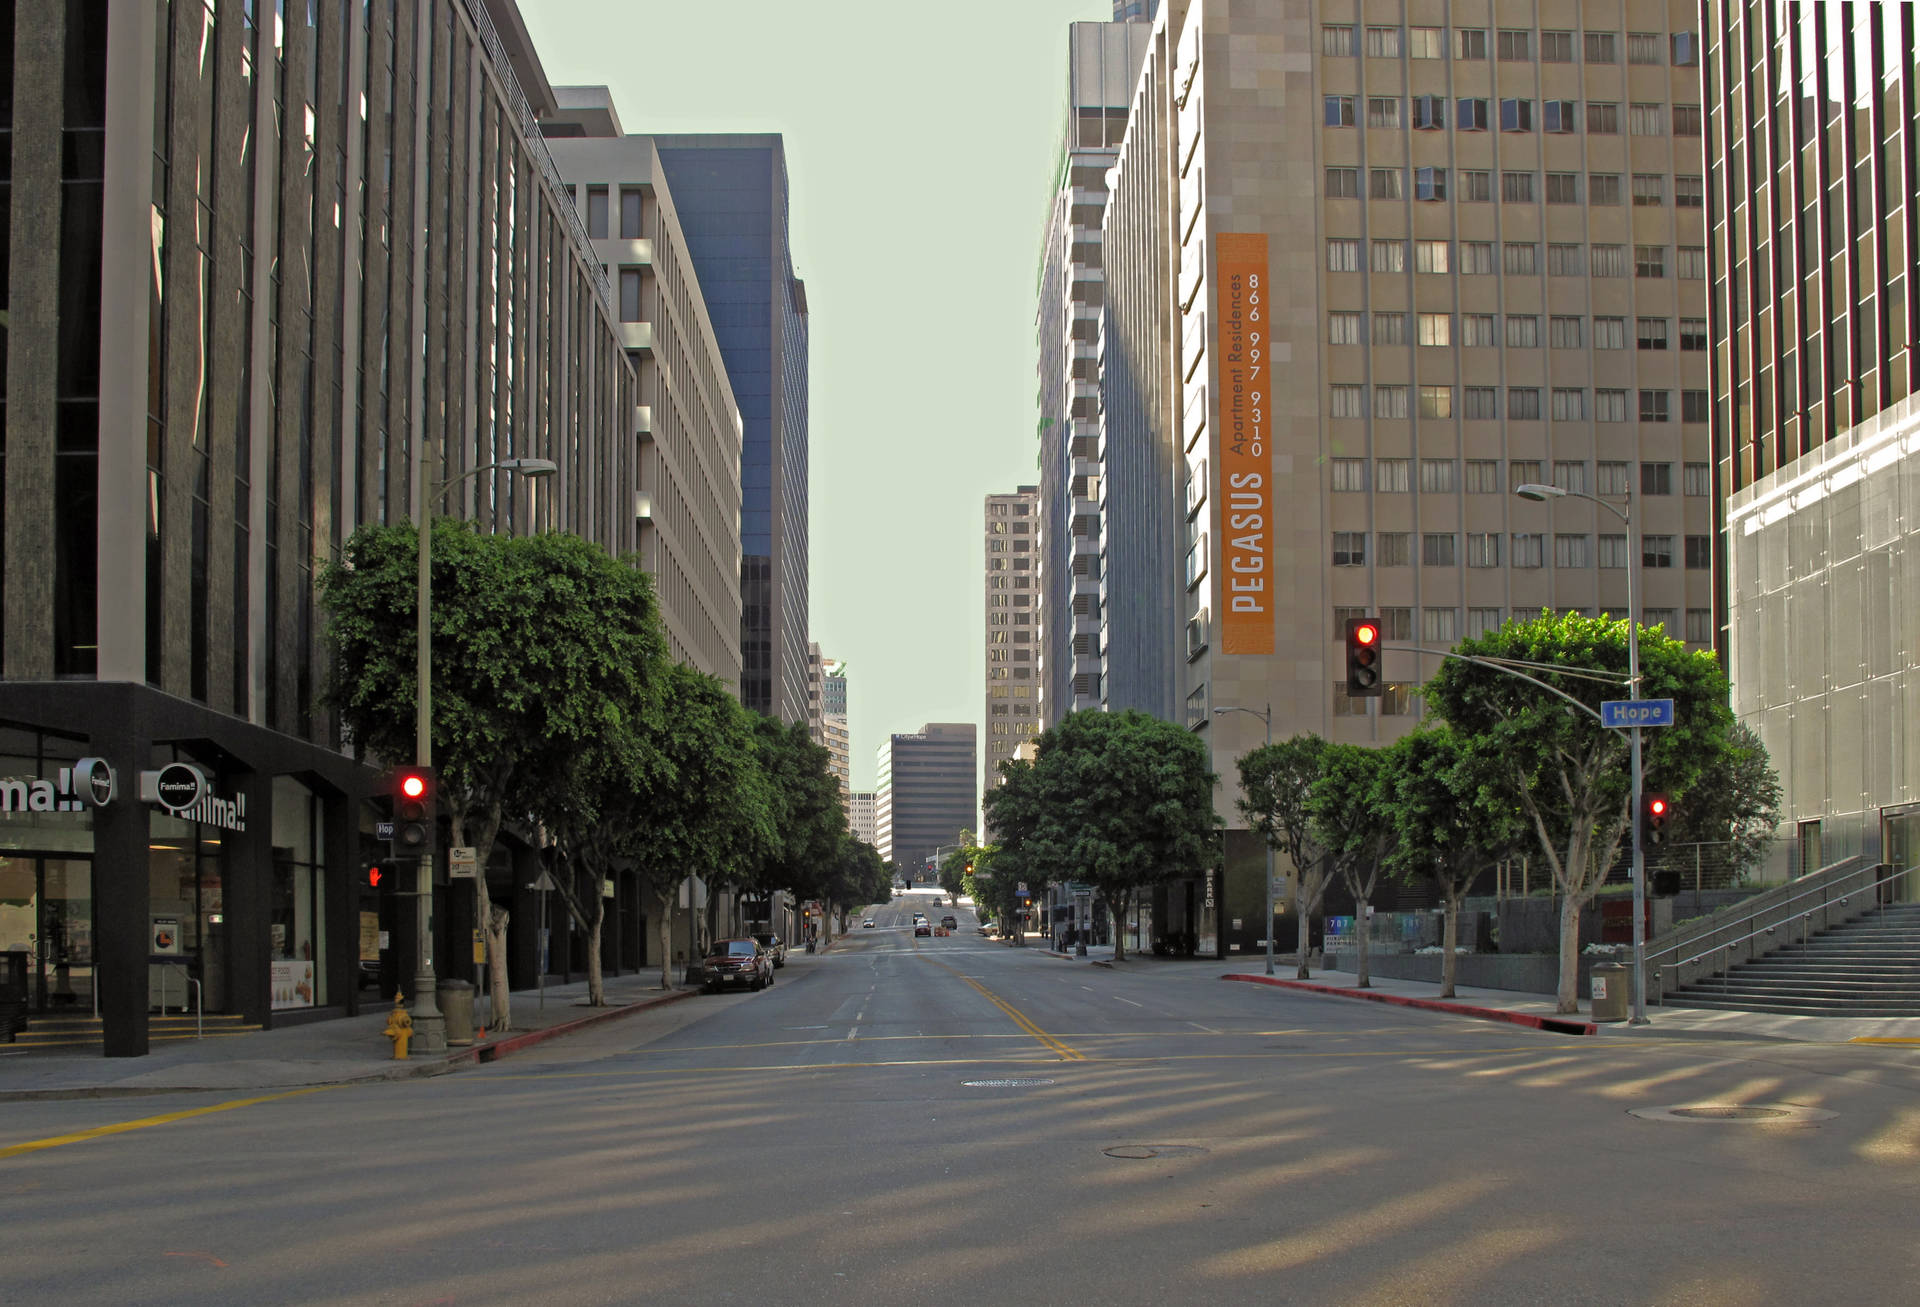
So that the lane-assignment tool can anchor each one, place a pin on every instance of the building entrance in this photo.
(46, 912)
(1901, 842)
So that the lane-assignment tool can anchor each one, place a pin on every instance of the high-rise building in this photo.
(1367, 278)
(1814, 336)
(860, 816)
(687, 427)
(816, 693)
(927, 794)
(309, 270)
(1015, 632)
(731, 194)
(833, 690)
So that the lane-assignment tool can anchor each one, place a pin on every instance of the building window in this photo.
(1523, 330)
(1699, 626)
(1569, 404)
(1390, 256)
(1476, 186)
(1482, 621)
(1653, 333)
(1343, 256)
(1572, 552)
(1483, 476)
(1608, 260)
(1523, 472)
(1647, 119)
(1349, 548)
(1341, 616)
(1522, 259)
(1563, 188)
(1603, 188)
(1339, 111)
(1349, 475)
(1436, 401)
(1655, 406)
(1603, 48)
(1396, 623)
(1344, 704)
(1476, 330)
(1696, 479)
(1613, 551)
(1337, 42)
(1439, 626)
(1656, 551)
(1346, 401)
(1603, 119)
(1523, 404)
(1384, 183)
(1694, 406)
(1612, 478)
(630, 213)
(1516, 187)
(1566, 261)
(1437, 549)
(1650, 261)
(1383, 111)
(1389, 328)
(1693, 335)
(1649, 190)
(1392, 475)
(1426, 43)
(1645, 48)
(1430, 256)
(1699, 554)
(1686, 50)
(1429, 113)
(1656, 478)
(1343, 183)
(1686, 120)
(1483, 549)
(1569, 333)
(597, 212)
(1436, 329)
(1558, 117)
(1476, 258)
(1390, 402)
(1480, 403)
(1556, 47)
(1516, 115)
(1609, 406)
(1691, 263)
(1396, 548)
(1529, 549)
(1436, 476)
(1516, 47)
(1343, 328)
(1470, 115)
(1469, 44)
(630, 295)
(1609, 333)
(1429, 183)
(1383, 42)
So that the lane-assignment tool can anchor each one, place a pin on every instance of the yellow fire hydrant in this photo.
(399, 1027)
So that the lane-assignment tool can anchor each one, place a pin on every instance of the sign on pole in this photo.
(1623, 713)
(463, 863)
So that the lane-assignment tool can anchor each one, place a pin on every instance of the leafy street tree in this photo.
(1274, 783)
(1449, 823)
(1025, 848)
(859, 876)
(995, 893)
(1736, 802)
(1565, 773)
(1349, 807)
(809, 820)
(1120, 800)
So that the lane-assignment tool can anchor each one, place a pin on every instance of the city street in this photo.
(954, 1120)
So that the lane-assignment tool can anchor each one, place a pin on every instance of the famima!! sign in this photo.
(87, 784)
(182, 789)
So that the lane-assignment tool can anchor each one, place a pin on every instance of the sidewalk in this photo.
(320, 1053)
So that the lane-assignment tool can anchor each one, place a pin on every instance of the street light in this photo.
(1266, 717)
(1541, 494)
(429, 1027)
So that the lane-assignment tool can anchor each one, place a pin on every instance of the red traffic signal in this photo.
(1363, 659)
(1656, 810)
(413, 796)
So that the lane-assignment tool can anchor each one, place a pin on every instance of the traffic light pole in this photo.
(429, 1026)
(1639, 978)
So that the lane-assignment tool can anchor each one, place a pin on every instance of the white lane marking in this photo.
(1129, 1002)
(1209, 1029)
(1088, 988)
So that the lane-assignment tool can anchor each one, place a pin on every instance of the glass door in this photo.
(1902, 851)
(46, 911)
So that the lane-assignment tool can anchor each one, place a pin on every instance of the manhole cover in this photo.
(1141, 1152)
(1004, 1084)
(1736, 1113)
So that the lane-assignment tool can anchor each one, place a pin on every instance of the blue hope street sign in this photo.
(1623, 713)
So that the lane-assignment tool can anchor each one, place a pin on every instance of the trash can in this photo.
(456, 1005)
(1609, 985)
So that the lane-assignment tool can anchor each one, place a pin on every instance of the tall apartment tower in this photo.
(1812, 140)
(860, 816)
(1103, 63)
(927, 794)
(1015, 625)
(827, 715)
(687, 428)
(1406, 266)
(731, 192)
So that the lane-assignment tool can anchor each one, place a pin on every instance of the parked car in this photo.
(921, 927)
(776, 948)
(738, 962)
(867, 923)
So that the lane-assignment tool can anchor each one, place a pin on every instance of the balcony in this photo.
(637, 336)
(643, 419)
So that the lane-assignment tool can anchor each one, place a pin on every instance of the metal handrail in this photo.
(1807, 893)
(1726, 947)
(199, 995)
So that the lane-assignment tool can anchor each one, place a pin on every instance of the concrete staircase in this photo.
(82, 1031)
(1869, 967)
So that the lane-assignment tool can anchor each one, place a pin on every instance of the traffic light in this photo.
(1656, 810)
(413, 799)
(1363, 658)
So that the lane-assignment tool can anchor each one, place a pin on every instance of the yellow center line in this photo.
(99, 1132)
(1065, 1052)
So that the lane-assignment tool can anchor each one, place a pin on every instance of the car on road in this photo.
(921, 927)
(949, 922)
(867, 923)
(776, 948)
(738, 963)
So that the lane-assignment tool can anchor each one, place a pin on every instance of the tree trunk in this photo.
(500, 1013)
(1305, 949)
(1569, 993)
(1116, 922)
(664, 918)
(1448, 939)
(596, 972)
(1361, 930)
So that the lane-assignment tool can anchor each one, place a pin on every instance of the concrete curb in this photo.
(1556, 1024)
(493, 1050)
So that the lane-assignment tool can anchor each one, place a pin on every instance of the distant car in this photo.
(949, 922)
(986, 928)
(738, 962)
(776, 948)
(867, 922)
(921, 927)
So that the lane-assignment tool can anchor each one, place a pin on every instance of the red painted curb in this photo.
(1558, 1025)
(495, 1049)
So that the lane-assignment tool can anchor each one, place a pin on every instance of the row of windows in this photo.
(1523, 403)
(1443, 624)
(1516, 258)
(1441, 476)
(1522, 330)
(1475, 186)
(1475, 113)
(1522, 549)
(1511, 45)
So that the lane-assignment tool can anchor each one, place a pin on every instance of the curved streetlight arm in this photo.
(526, 467)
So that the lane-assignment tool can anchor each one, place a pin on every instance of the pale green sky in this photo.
(920, 137)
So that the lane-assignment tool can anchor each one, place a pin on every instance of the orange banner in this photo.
(1245, 495)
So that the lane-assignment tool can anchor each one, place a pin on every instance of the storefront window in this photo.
(298, 914)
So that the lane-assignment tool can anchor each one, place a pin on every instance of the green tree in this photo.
(1348, 807)
(809, 819)
(1450, 824)
(1274, 783)
(1735, 802)
(1120, 800)
(1565, 773)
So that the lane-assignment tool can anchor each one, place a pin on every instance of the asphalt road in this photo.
(956, 1121)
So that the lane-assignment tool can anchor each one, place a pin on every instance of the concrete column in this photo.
(120, 897)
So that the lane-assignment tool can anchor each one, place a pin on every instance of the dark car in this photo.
(738, 962)
(776, 948)
(949, 922)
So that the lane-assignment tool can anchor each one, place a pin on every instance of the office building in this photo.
(1014, 625)
(687, 427)
(731, 194)
(1815, 346)
(927, 793)
(1371, 276)
(860, 816)
(282, 254)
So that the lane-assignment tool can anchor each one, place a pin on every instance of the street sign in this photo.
(1623, 713)
(463, 863)
(383, 830)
